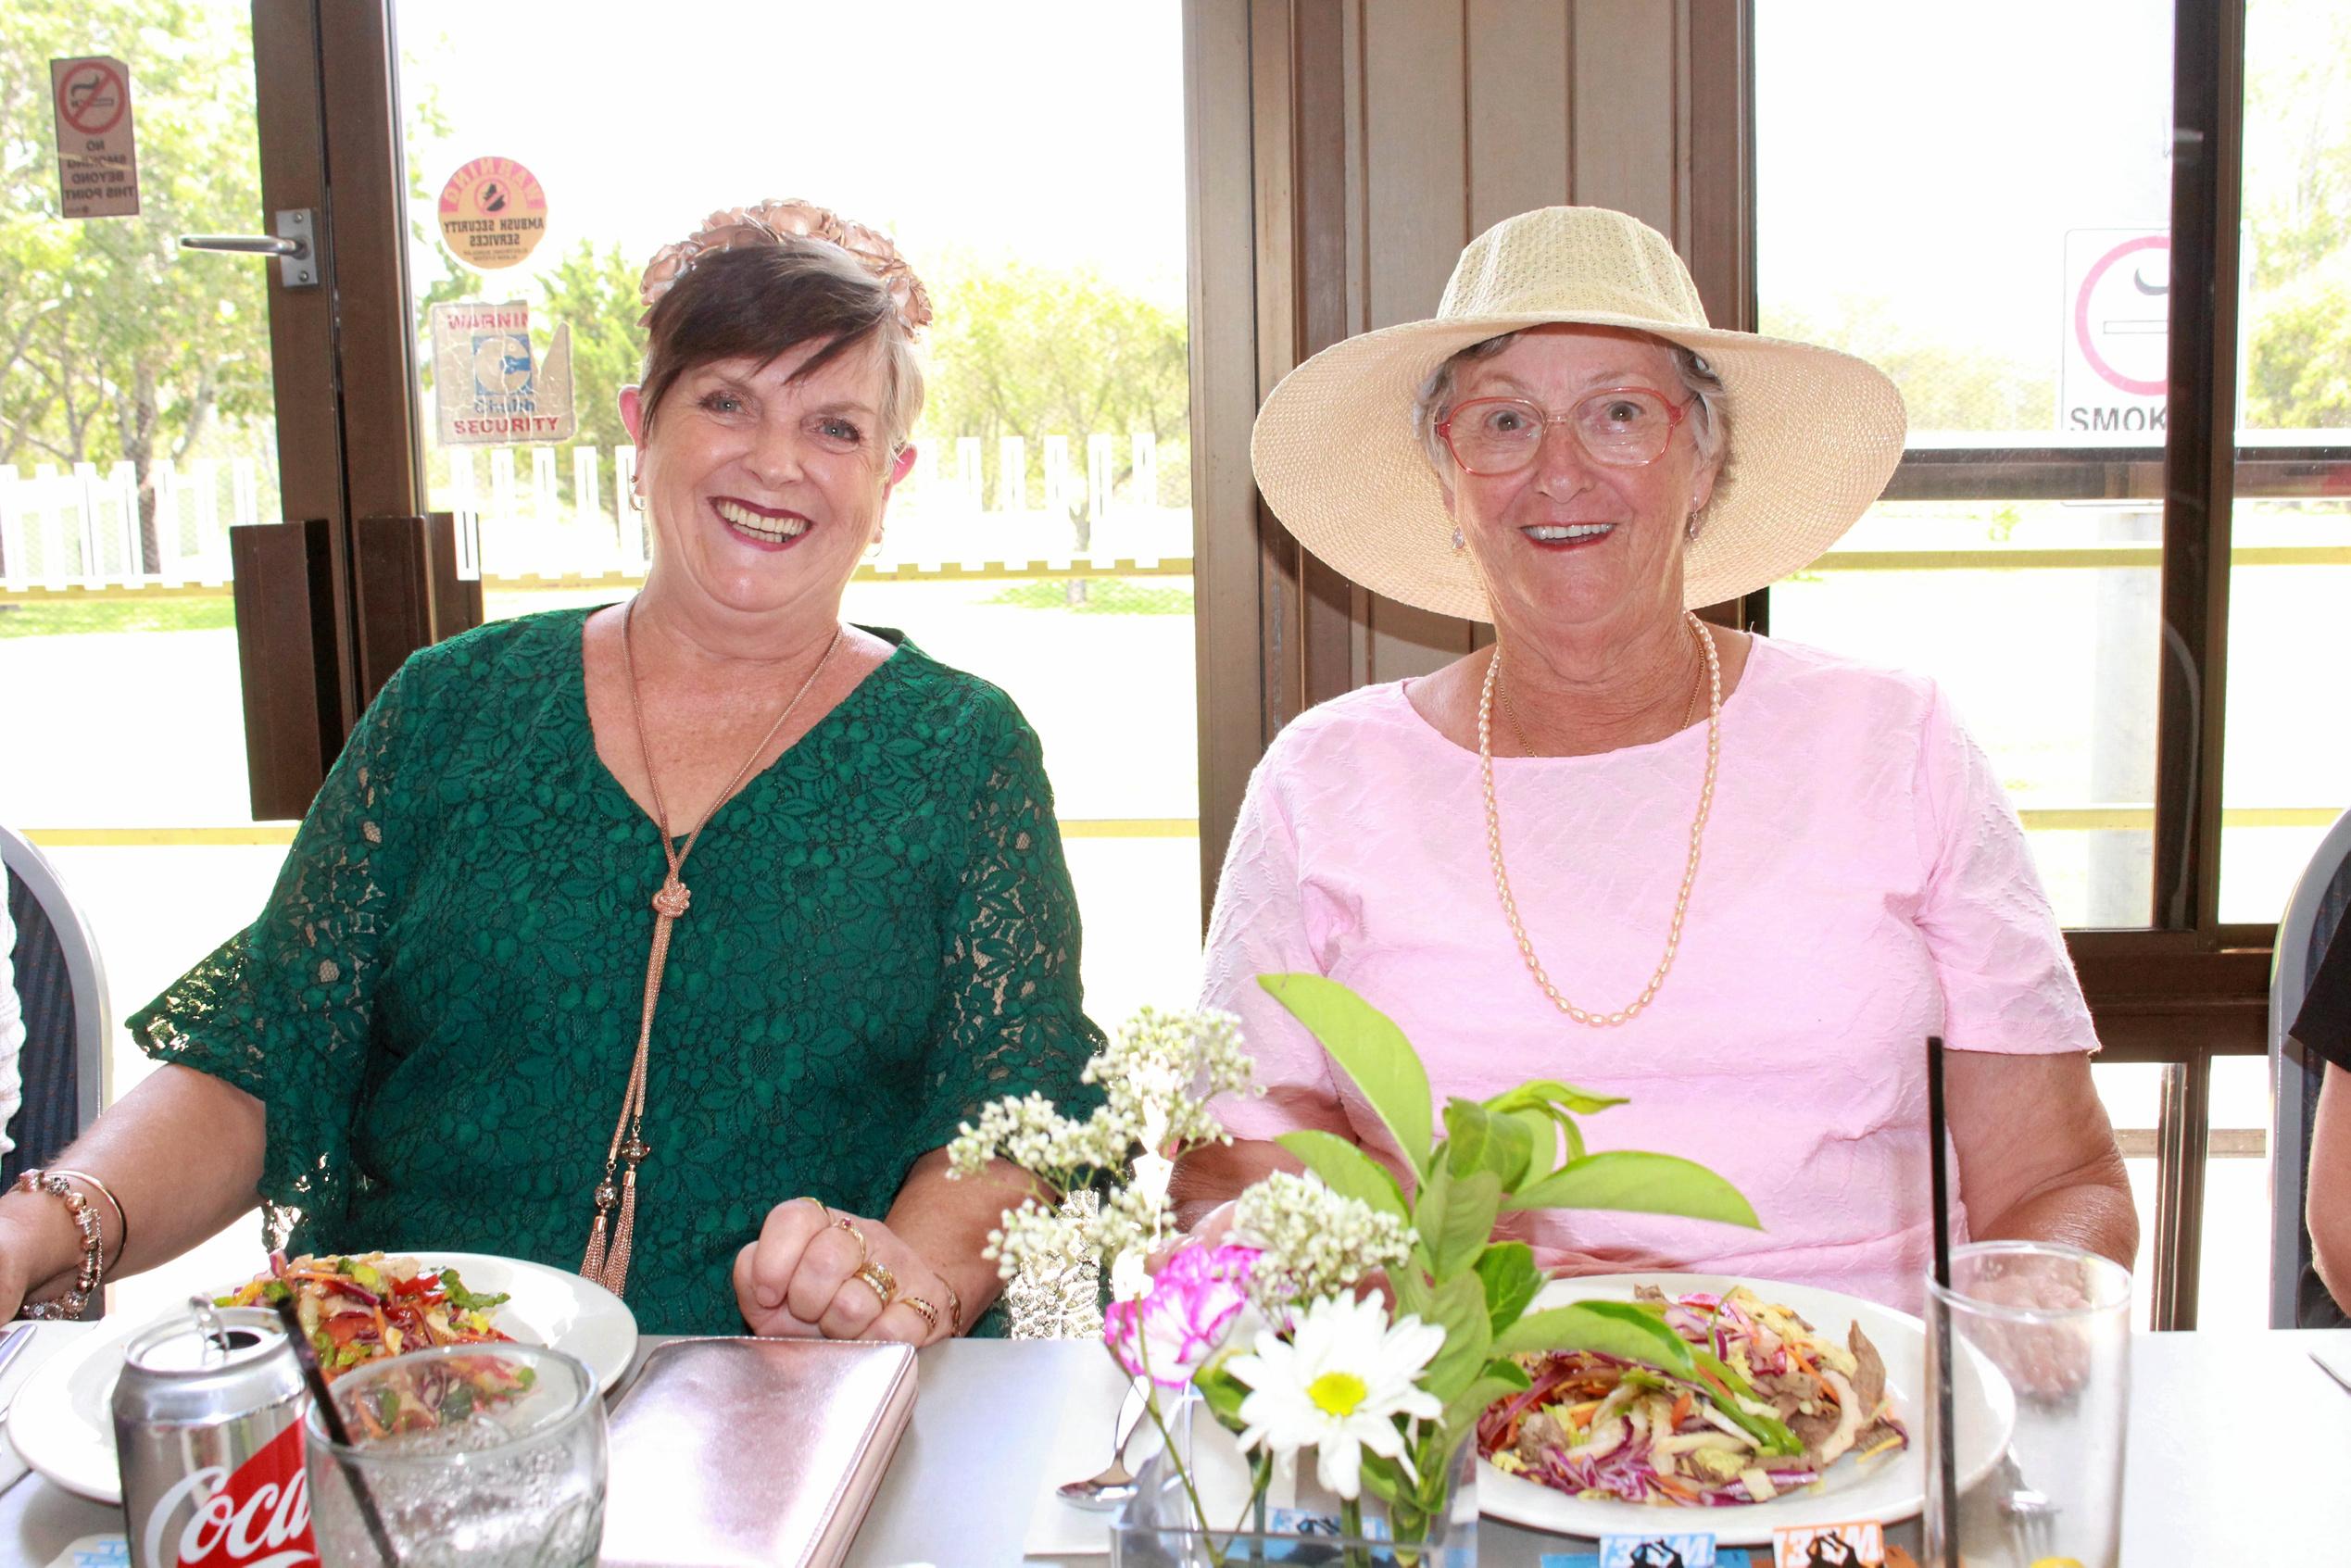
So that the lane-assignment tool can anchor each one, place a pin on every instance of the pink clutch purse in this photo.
(728, 1452)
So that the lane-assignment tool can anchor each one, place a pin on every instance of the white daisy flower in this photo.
(1338, 1387)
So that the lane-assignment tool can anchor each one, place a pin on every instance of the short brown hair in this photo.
(758, 302)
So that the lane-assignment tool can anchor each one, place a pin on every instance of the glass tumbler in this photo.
(488, 1456)
(2038, 1340)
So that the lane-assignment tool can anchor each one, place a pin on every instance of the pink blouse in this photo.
(1865, 883)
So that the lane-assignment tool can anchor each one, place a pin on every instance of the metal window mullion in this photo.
(2199, 455)
(2182, 1129)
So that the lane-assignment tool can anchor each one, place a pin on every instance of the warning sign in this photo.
(98, 160)
(488, 388)
(2117, 322)
(493, 213)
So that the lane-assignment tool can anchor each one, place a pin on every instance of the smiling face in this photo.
(764, 489)
(1568, 540)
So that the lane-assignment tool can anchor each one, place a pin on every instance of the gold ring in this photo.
(864, 1252)
(879, 1280)
(930, 1314)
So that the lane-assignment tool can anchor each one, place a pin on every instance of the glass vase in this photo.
(1159, 1529)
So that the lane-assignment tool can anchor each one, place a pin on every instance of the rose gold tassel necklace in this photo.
(610, 1268)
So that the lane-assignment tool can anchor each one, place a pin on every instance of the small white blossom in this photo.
(1317, 1242)
(1157, 1077)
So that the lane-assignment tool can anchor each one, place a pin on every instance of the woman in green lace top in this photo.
(426, 1040)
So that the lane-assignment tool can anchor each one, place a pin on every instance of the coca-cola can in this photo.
(208, 1424)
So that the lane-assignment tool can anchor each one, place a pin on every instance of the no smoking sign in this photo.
(98, 159)
(2117, 322)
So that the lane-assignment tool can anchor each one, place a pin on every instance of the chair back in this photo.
(2322, 897)
(62, 987)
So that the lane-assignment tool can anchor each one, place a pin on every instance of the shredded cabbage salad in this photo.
(1771, 1405)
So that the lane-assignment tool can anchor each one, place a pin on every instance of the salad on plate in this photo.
(367, 1306)
(1766, 1405)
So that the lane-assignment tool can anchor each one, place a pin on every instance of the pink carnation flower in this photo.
(1181, 1320)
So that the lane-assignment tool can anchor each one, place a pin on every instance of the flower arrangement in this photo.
(1272, 1327)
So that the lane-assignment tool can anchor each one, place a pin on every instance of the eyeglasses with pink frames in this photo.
(1621, 426)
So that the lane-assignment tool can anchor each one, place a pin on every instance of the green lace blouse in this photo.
(439, 1003)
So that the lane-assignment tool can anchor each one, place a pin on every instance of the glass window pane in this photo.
(1043, 539)
(2289, 772)
(136, 426)
(2020, 567)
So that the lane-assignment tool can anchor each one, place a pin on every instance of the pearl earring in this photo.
(1692, 526)
(1459, 543)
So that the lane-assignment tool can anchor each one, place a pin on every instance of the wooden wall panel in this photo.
(1416, 150)
(1625, 110)
(1229, 566)
(1520, 107)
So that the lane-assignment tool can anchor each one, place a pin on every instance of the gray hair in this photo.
(1710, 423)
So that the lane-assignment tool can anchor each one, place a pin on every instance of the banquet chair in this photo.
(62, 989)
(2319, 903)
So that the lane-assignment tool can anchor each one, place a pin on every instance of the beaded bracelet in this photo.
(121, 1217)
(72, 1302)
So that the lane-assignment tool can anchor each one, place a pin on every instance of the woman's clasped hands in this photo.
(815, 1271)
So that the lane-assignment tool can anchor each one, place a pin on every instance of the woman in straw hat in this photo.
(1737, 882)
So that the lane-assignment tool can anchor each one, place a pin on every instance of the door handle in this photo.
(297, 262)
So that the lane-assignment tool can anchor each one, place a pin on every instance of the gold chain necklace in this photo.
(1689, 875)
(610, 1268)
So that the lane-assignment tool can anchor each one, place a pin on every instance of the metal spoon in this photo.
(1116, 1483)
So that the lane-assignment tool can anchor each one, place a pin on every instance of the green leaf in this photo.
(1221, 1390)
(1551, 1091)
(1637, 1183)
(1542, 1144)
(1613, 1328)
(1459, 1308)
(1507, 1271)
(1368, 1047)
(1455, 1216)
(1413, 1298)
(1383, 1477)
(1478, 1139)
(1348, 1170)
(1463, 1408)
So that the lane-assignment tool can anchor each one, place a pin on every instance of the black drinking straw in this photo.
(1947, 1455)
(333, 1417)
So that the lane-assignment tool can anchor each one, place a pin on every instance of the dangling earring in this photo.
(1692, 526)
(1460, 544)
(636, 499)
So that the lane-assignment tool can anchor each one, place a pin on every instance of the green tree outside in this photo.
(120, 347)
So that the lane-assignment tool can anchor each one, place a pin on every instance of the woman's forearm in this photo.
(947, 1220)
(183, 1154)
(1217, 1173)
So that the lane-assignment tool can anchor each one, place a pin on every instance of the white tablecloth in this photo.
(2238, 1446)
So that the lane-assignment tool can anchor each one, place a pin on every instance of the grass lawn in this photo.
(212, 613)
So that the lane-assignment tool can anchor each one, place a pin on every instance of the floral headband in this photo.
(770, 223)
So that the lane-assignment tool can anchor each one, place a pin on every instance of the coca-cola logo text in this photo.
(259, 1517)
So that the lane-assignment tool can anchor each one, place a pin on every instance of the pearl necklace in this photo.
(1689, 875)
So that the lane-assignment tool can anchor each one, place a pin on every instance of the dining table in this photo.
(2237, 1447)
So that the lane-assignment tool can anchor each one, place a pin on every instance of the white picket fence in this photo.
(81, 529)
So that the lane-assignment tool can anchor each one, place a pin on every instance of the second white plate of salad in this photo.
(62, 1420)
(1596, 1428)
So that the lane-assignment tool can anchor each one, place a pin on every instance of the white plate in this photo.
(62, 1421)
(1891, 1488)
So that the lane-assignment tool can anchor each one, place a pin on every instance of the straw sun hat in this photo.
(1815, 434)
